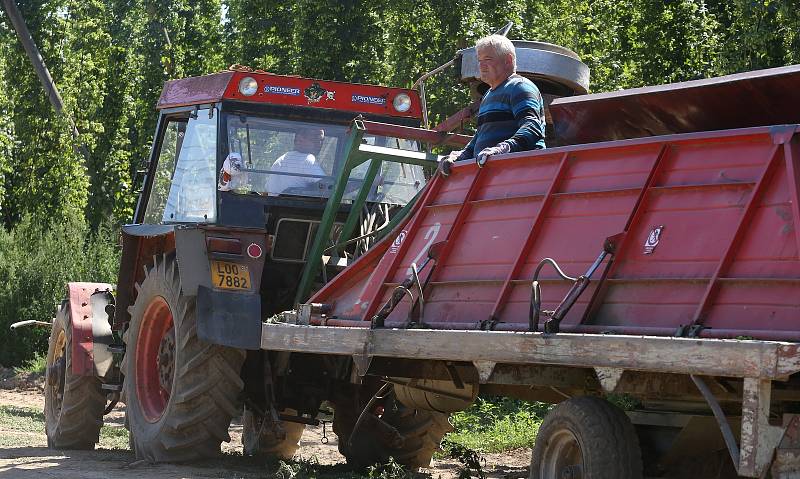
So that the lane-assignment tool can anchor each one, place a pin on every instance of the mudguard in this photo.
(228, 318)
(91, 328)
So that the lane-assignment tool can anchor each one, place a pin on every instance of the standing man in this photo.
(511, 115)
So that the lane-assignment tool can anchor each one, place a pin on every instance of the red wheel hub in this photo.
(155, 359)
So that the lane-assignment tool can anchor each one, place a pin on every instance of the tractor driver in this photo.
(302, 160)
(511, 115)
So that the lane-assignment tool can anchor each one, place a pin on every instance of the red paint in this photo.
(288, 90)
(156, 324)
(80, 308)
(728, 256)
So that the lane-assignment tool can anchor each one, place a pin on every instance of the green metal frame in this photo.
(356, 154)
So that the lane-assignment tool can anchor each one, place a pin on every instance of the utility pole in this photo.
(44, 74)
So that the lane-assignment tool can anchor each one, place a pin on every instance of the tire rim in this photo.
(562, 458)
(155, 359)
(56, 374)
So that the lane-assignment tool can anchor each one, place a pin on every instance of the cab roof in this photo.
(287, 90)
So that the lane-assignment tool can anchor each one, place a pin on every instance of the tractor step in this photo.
(116, 348)
(111, 387)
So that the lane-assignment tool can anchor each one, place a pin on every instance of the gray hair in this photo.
(501, 45)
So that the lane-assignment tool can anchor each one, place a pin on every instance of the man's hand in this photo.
(485, 153)
(447, 162)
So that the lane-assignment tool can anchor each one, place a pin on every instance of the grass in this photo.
(497, 424)
(23, 426)
(36, 365)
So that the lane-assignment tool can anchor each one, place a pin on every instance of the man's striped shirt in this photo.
(513, 112)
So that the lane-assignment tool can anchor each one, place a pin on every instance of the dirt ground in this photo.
(24, 454)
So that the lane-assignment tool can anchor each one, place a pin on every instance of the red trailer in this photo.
(655, 254)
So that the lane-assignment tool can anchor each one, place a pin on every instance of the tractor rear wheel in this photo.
(275, 439)
(73, 404)
(181, 393)
(586, 437)
(419, 433)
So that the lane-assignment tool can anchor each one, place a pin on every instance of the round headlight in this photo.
(248, 86)
(402, 103)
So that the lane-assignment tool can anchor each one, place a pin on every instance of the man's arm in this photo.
(526, 104)
(468, 151)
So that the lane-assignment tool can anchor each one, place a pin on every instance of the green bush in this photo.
(36, 262)
(495, 424)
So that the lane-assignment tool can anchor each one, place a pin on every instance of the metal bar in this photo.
(710, 357)
(533, 234)
(420, 134)
(314, 258)
(458, 223)
(369, 152)
(793, 174)
(358, 202)
(719, 415)
(736, 239)
(372, 292)
(459, 118)
(636, 212)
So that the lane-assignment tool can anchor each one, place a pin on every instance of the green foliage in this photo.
(36, 262)
(36, 365)
(497, 424)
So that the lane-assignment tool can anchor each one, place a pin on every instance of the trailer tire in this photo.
(73, 404)
(586, 437)
(421, 432)
(270, 444)
(181, 392)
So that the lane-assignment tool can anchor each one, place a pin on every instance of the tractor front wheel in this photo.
(73, 404)
(181, 393)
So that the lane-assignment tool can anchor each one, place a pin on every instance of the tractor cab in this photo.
(285, 142)
(264, 187)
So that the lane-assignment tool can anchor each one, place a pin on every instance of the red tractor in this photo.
(242, 167)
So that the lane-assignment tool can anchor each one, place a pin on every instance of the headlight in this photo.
(402, 103)
(248, 86)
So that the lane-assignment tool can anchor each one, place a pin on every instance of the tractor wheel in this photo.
(420, 433)
(586, 437)
(73, 405)
(278, 438)
(181, 392)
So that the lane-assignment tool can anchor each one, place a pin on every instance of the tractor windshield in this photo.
(183, 186)
(275, 157)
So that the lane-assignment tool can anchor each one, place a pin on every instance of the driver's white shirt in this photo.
(293, 162)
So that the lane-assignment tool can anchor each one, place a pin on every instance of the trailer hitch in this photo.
(579, 285)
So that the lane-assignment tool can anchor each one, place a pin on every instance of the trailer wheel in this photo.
(586, 437)
(181, 392)
(271, 443)
(73, 405)
(420, 433)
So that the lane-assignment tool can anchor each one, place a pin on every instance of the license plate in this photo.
(230, 275)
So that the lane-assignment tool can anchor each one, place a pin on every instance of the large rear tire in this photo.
(586, 437)
(181, 392)
(279, 439)
(73, 405)
(420, 432)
